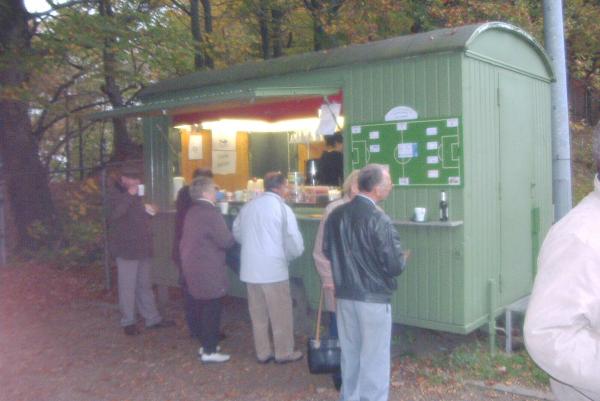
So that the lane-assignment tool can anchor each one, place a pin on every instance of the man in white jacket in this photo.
(268, 231)
(562, 326)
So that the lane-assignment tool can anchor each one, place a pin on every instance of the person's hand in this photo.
(151, 208)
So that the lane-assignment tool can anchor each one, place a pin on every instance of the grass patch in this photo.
(474, 362)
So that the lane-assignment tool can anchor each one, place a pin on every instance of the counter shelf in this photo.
(433, 223)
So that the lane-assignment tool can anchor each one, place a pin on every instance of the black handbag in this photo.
(233, 257)
(324, 355)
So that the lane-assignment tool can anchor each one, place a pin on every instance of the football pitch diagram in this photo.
(418, 152)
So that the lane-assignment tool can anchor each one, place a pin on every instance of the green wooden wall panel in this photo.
(503, 49)
(428, 289)
(481, 141)
(542, 169)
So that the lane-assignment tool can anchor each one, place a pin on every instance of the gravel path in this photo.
(60, 341)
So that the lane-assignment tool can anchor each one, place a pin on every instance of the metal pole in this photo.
(67, 148)
(107, 283)
(561, 148)
(2, 228)
(81, 161)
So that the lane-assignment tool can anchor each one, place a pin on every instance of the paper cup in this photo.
(420, 213)
(141, 190)
(224, 206)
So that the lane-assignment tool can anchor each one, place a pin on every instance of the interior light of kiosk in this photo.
(185, 127)
(295, 125)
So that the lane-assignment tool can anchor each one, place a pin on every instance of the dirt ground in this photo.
(60, 341)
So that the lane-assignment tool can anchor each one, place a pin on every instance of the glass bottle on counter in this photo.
(443, 206)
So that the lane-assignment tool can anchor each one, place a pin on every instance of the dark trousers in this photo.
(191, 317)
(333, 331)
(208, 314)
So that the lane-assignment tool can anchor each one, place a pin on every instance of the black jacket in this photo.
(365, 252)
(331, 168)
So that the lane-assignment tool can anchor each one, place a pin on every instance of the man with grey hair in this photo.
(203, 244)
(268, 231)
(366, 256)
(562, 325)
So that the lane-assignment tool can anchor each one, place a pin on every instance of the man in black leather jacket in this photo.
(366, 256)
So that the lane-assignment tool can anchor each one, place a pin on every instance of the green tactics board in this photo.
(418, 152)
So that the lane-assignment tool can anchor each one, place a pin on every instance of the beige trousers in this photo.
(271, 303)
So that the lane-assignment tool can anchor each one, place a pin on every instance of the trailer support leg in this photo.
(492, 315)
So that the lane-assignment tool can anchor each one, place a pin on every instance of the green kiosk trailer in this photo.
(462, 110)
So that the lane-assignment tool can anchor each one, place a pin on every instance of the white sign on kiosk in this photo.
(195, 147)
(223, 162)
(223, 139)
(400, 113)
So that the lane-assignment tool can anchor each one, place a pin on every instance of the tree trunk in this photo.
(208, 28)
(323, 13)
(262, 14)
(277, 15)
(199, 61)
(123, 146)
(27, 179)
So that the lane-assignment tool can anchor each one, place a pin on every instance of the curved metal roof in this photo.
(448, 39)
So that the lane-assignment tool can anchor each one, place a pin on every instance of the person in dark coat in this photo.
(331, 163)
(182, 205)
(130, 242)
(366, 256)
(203, 244)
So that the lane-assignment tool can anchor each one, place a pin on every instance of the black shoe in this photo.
(337, 380)
(162, 324)
(131, 330)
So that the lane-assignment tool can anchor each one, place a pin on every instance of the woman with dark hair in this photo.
(182, 205)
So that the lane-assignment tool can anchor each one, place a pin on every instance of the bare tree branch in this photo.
(181, 7)
(41, 129)
(55, 7)
(57, 93)
(60, 143)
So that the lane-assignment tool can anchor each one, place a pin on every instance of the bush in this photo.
(80, 240)
(582, 160)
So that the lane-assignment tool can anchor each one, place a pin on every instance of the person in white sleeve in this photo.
(562, 324)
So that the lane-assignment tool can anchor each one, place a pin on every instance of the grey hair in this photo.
(200, 187)
(370, 176)
(274, 180)
(596, 150)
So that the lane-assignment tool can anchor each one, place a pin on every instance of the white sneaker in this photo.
(215, 357)
(201, 350)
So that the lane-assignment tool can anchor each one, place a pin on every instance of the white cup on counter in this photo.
(420, 214)
(141, 190)
(224, 206)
